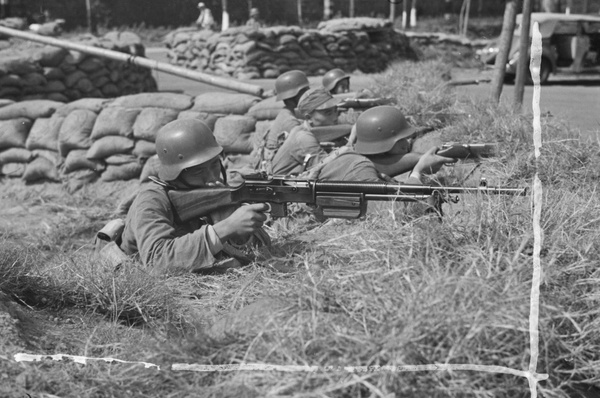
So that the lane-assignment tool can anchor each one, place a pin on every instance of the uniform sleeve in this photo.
(308, 144)
(161, 243)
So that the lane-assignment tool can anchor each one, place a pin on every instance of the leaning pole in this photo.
(231, 84)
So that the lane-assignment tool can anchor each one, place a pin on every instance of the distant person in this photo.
(205, 20)
(254, 20)
(4, 9)
(580, 45)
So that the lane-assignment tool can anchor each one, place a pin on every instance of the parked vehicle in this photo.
(570, 45)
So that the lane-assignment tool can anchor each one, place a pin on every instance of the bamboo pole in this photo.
(231, 84)
(508, 26)
(523, 63)
(466, 18)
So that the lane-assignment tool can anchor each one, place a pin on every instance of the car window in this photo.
(565, 28)
(592, 27)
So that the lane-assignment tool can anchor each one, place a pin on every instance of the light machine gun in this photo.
(332, 199)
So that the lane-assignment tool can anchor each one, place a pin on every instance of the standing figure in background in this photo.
(4, 9)
(205, 20)
(254, 21)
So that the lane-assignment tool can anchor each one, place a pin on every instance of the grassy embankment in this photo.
(392, 289)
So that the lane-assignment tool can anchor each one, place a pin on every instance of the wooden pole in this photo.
(466, 19)
(225, 16)
(585, 7)
(413, 14)
(522, 65)
(404, 14)
(326, 10)
(351, 11)
(229, 83)
(392, 11)
(299, 3)
(90, 23)
(508, 27)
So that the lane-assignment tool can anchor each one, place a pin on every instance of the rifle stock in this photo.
(467, 151)
(333, 199)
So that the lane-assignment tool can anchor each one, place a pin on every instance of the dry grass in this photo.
(397, 288)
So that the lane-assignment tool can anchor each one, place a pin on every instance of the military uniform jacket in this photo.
(151, 230)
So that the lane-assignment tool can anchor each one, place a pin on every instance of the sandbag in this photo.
(150, 168)
(44, 133)
(15, 155)
(4, 102)
(144, 149)
(150, 120)
(155, 100)
(91, 104)
(13, 170)
(120, 158)
(78, 179)
(267, 109)
(226, 103)
(52, 156)
(75, 131)
(33, 109)
(115, 120)
(13, 133)
(49, 56)
(262, 126)
(40, 169)
(209, 118)
(123, 172)
(108, 146)
(233, 133)
(77, 160)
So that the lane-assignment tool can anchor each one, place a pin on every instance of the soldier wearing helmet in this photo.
(336, 81)
(301, 149)
(382, 150)
(289, 87)
(254, 20)
(383, 135)
(189, 158)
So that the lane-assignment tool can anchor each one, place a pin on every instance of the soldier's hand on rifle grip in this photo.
(242, 222)
(430, 162)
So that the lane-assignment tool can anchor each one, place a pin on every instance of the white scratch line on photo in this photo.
(353, 369)
(534, 304)
(75, 358)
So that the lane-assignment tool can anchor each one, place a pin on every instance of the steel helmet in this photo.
(289, 84)
(184, 143)
(254, 12)
(331, 78)
(379, 128)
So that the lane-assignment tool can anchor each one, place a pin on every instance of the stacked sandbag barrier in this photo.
(365, 44)
(47, 72)
(112, 139)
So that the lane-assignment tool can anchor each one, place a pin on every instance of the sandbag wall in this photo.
(365, 44)
(53, 73)
(94, 138)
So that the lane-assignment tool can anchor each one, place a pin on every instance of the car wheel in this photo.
(545, 69)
